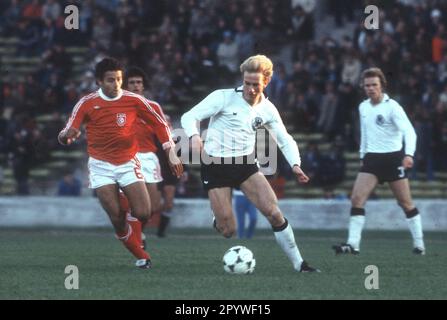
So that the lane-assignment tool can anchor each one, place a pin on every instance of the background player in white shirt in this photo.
(384, 129)
(235, 115)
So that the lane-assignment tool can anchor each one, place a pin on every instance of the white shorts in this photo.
(150, 167)
(102, 173)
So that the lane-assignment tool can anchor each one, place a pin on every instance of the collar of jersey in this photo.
(103, 96)
(385, 99)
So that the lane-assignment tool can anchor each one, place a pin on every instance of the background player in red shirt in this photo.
(135, 81)
(109, 115)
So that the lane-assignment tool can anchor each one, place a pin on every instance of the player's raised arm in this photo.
(205, 109)
(71, 132)
(287, 145)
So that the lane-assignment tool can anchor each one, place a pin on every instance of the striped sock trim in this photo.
(282, 227)
(357, 212)
(127, 236)
(412, 213)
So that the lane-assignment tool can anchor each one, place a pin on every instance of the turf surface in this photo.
(187, 265)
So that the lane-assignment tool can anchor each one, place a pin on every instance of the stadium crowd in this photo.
(183, 44)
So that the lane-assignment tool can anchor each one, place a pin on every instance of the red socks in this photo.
(132, 244)
(132, 239)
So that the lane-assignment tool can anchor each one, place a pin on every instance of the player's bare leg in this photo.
(108, 196)
(260, 193)
(401, 190)
(222, 207)
(168, 204)
(155, 197)
(140, 203)
(363, 186)
(156, 205)
(155, 202)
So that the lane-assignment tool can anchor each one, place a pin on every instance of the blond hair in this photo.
(258, 63)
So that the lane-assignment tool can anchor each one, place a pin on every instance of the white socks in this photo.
(356, 224)
(286, 241)
(415, 226)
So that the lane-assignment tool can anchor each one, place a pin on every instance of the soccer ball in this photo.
(239, 260)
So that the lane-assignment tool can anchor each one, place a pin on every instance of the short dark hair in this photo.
(372, 73)
(107, 64)
(134, 71)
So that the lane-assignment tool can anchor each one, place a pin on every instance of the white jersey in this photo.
(232, 128)
(384, 127)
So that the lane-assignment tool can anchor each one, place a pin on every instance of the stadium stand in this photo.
(183, 45)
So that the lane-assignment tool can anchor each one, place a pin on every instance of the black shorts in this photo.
(227, 172)
(387, 167)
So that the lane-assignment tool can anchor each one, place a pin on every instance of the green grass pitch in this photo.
(188, 265)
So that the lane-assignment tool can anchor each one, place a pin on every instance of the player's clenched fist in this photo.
(69, 136)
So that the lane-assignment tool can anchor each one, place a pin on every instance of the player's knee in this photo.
(143, 215)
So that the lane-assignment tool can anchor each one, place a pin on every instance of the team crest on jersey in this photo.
(121, 119)
(380, 120)
(256, 123)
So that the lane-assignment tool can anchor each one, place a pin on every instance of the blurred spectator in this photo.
(424, 150)
(244, 40)
(311, 161)
(32, 10)
(177, 43)
(328, 110)
(10, 18)
(278, 86)
(69, 185)
(302, 26)
(351, 70)
(21, 154)
(341, 9)
(332, 167)
(227, 55)
(102, 33)
(28, 38)
(51, 9)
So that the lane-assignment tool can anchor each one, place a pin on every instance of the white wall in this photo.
(302, 214)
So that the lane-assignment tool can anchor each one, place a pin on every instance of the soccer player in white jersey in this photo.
(235, 114)
(384, 128)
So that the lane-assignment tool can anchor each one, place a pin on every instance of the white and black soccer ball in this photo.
(239, 260)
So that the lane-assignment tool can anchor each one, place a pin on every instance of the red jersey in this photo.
(145, 132)
(110, 124)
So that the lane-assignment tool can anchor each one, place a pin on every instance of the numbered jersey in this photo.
(387, 167)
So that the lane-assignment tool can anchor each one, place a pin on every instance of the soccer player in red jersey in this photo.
(109, 115)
